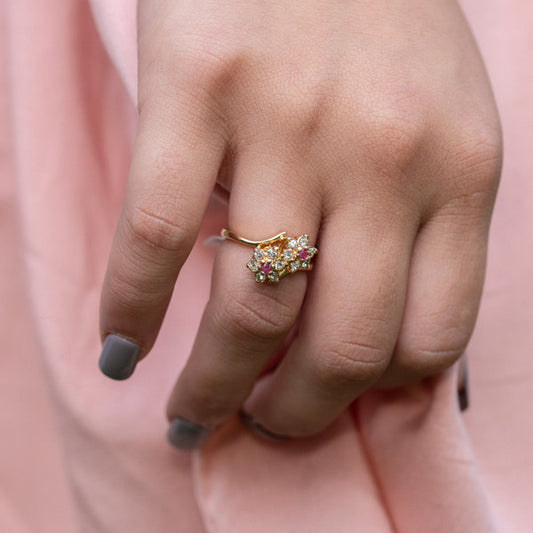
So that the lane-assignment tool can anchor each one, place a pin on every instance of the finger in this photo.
(174, 168)
(244, 321)
(445, 284)
(463, 395)
(349, 325)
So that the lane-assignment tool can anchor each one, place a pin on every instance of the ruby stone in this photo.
(304, 254)
(266, 268)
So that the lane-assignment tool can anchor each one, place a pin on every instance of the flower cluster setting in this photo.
(286, 255)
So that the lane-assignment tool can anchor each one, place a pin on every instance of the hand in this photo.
(371, 126)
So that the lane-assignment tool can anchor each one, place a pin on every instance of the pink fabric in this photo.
(82, 453)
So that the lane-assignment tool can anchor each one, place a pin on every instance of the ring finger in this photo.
(349, 325)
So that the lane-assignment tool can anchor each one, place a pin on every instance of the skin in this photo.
(372, 127)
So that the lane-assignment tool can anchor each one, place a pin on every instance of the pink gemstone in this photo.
(266, 268)
(304, 254)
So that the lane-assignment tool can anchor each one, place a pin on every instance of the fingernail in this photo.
(186, 435)
(259, 429)
(462, 389)
(462, 396)
(119, 357)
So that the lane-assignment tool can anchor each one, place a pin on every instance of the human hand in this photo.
(371, 126)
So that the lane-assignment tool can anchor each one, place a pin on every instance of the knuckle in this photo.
(300, 107)
(201, 67)
(149, 227)
(422, 361)
(477, 167)
(253, 317)
(210, 62)
(395, 137)
(217, 66)
(479, 157)
(351, 363)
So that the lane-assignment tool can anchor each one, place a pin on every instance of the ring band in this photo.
(277, 256)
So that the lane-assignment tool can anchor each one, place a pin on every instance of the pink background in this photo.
(82, 453)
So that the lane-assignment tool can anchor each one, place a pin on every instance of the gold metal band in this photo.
(232, 236)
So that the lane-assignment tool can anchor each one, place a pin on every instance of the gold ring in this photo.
(277, 256)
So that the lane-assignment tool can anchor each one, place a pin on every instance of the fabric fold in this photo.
(421, 457)
(245, 483)
(396, 462)
(399, 461)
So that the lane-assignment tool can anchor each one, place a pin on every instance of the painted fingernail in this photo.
(462, 388)
(463, 399)
(119, 357)
(259, 429)
(462, 396)
(186, 435)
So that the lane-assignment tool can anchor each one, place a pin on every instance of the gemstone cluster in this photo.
(276, 258)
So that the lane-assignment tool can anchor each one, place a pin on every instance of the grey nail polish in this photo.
(186, 435)
(463, 395)
(259, 429)
(119, 357)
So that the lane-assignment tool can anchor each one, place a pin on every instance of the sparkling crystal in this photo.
(312, 251)
(258, 254)
(287, 255)
(272, 253)
(266, 268)
(292, 244)
(273, 276)
(304, 254)
(279, 265)
(260, 277)
(294, 266)
(305, 264)
(303, 240)
(253, 265)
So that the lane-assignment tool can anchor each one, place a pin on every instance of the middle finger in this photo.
(244, 321)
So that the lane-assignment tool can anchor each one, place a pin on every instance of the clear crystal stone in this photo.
(303, 240)
(312, 251)
(258, 254)
(272, 253)
(287, 255)
(279, 265)
(273, 276)
(253, 265)
(294, 266)
(260, 277)
(305, 264)
(292, 244)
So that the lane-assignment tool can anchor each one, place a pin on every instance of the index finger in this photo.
(175, 165)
